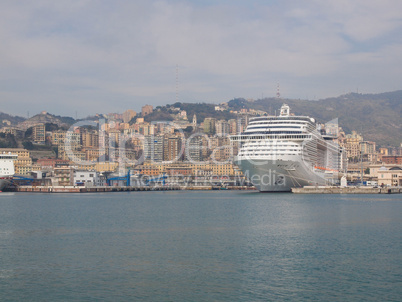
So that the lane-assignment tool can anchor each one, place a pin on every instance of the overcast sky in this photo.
(100, 56)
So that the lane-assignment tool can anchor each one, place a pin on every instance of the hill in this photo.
(9, 120)
(376, 116)
(203, 110)
(47, 118)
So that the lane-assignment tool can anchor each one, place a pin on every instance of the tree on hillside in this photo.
(51, 127)
(8, 141)
(188, 129)
(28, 133)
(133, 120)
(28, 145)
(158, 116)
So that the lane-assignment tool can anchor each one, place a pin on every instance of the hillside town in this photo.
(102, 150)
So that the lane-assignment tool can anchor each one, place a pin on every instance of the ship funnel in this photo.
(285, 110)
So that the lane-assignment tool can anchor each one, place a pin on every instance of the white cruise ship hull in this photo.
(279, 175)
(3, 184)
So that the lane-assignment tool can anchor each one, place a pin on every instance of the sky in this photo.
(81, 57)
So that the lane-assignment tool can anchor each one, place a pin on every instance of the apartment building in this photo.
(39, 133)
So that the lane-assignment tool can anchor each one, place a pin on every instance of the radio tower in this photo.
(177, 83)
(278, 94)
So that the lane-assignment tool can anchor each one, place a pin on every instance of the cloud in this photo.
(363, 20)
(105, 56)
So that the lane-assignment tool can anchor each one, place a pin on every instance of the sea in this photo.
(200, 246)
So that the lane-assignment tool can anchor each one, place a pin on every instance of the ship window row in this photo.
(250, 138)
(281, 118)
(268, 154)
(274, 132)
(273, 143)
(264, 127)
(262, 145)
(271, 150)
(277, 122)
(267, 148)
(265, 154)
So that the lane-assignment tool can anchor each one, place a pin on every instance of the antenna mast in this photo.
(177, 83)
(278, 94)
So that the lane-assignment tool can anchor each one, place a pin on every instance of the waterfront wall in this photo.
(346, 190)
(79, 189)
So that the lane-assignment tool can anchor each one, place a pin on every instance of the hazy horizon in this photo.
(100, 56)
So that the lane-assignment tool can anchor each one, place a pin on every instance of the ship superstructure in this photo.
(285, 151)
(6, 168)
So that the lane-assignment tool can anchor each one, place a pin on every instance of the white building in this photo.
(222, 127)
(87, 178)
(153, 148)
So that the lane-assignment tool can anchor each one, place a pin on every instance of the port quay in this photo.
(102, 189)
(105, 189)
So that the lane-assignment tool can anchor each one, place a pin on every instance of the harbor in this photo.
(200, 151)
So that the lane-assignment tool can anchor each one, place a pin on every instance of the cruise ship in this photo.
(278, 153)
(6, 168)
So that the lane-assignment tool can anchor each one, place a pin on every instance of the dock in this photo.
(346, 190)
(103, 189)
(99, 189)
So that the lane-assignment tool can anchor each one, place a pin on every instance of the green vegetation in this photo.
(239, 103)
(158, 116)
(203, 110)
(133, 120)
(51, 127)
(28, 133)
(8, 141)
(64, 119)
(56, 151)
(188, 129)
(13, 119)
(30, 146)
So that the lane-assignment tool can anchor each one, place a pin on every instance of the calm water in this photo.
(200, 246)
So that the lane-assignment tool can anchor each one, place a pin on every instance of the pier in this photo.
(346, 190)
(103, 189)
(79, 189)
